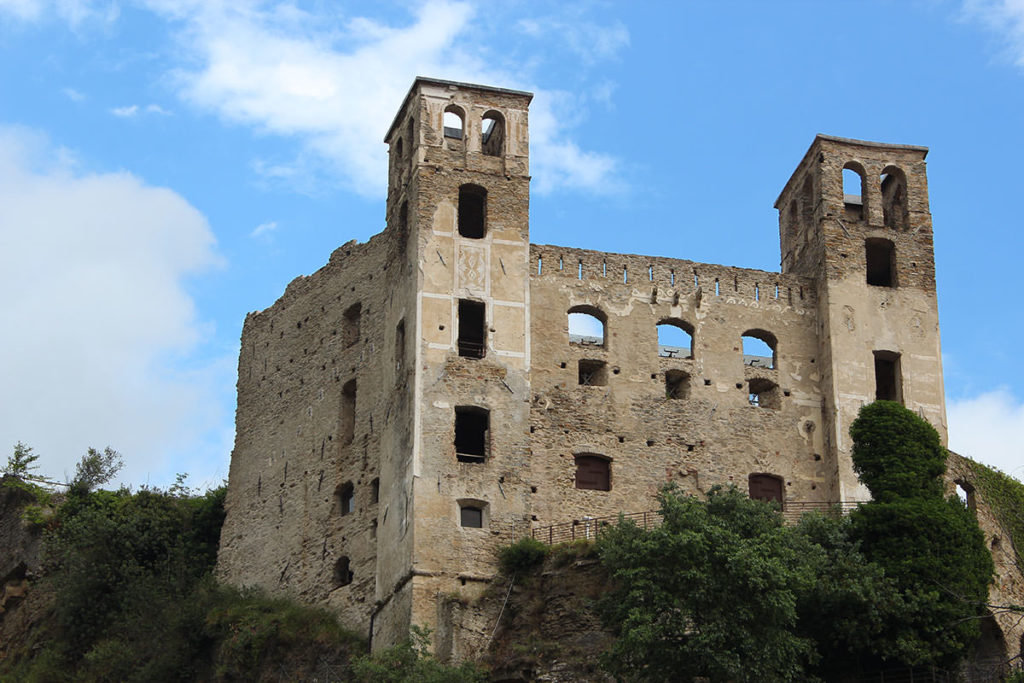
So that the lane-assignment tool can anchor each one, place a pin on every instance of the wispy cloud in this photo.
(74, 12)
(590, 41)
(334, 87)
(989, 428)
(1003, 17)
(103, 318)
(264, 229)
(73, 95)
(134, 110)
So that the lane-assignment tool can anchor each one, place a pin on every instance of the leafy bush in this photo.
(896, 453)
(522, 556)
(411, 662)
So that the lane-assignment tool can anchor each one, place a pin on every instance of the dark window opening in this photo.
(350, 324)
(348, 412)
(472, 425)
(965, 492)
(765, 487)
(399, 345)
(472, 211)
(492, 134)
(764, 393)
(677, 384)
(587, 325)
(342, 571)
(887, 376)
(346, 498)
(880, 256)
(399, 151)
(453, 122)
(675, 339)
(894, 198)
(807, 203)
(759, 349)
(471, 516)
(593, 473)
(593, 373)
(472, 328)
(853, 191)
(375, 490)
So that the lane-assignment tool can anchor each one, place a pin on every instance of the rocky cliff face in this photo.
(20, 564)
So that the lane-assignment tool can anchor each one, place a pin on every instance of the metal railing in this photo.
(589, 528)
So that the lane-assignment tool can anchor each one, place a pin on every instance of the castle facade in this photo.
(447, 386)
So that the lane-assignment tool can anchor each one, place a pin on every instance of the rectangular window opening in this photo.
(471, 517)
(348, 412)
(472, 426)
(887, 377)
(472, 328)
(593, 373)
(881, 263)
(350, 324)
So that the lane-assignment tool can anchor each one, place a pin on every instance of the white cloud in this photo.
(74, 12)
(590, 41)
(290, 73)
(125, 112)
(1004, 17)
(264, 229)
(73, 95)
(134, 110)
(96, 316)
(989, 428)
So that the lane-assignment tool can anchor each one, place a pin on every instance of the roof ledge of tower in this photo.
(451, 85)
(821, 137)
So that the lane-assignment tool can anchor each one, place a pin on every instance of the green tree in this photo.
(21, 463)
(931, 547)
(95, 468)
(896, 453)
(713, 591)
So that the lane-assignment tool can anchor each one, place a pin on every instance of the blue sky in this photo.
(166, 167)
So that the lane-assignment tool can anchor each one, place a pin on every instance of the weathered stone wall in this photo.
(298, 447)
(712, 436)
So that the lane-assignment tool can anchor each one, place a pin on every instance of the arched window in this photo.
(586, 325)
(472, 211)
(965, 492)
(593, 472)
(454, 122)
(894, 198)
(880, 260)
(767, 487)
(675, 338)
(759, 349)
(763, 393)
(853, 191)
(399, 151)
(492, 134)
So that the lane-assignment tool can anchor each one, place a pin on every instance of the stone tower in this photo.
(869, 247)
(459, 192)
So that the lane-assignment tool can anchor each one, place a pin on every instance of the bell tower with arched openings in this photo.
(855, 217)
(458, 206)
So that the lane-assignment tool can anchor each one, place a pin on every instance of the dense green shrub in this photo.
(522, 556)
(896, 453)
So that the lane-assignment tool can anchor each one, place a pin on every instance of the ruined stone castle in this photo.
(426, 396)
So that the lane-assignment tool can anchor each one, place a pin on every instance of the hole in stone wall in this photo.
(375, 490)
(472, 426)
(675, 338)
(348, 412)
(677, 384)
(346, 498)
(853, 192)
(453, 122)
(350, 324)
(593, 373)
(759, 349)
(887, 376)
(492, 134)
(764, 393)
(472, 328)
(587, 325)
(880, 258)
(472, 211)
(894, 198)
(342, 572)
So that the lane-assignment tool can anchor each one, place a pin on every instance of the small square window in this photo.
(471, 517)
(593, 373)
